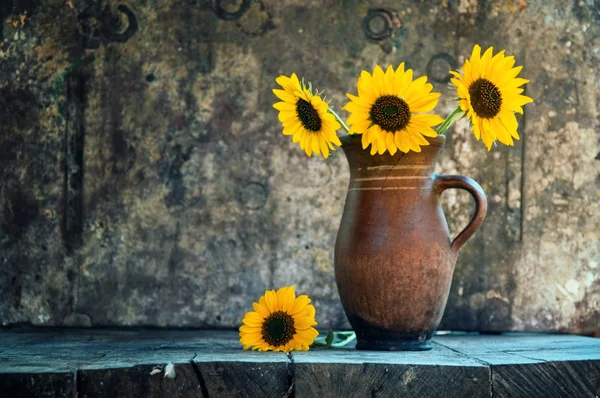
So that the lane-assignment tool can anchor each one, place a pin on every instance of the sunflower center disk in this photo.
(278, 329)
(308, 115)
(390, 113)
(486, 98)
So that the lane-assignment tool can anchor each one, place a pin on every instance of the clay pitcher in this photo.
(394, 256)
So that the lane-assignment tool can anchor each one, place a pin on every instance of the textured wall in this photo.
(144, 180)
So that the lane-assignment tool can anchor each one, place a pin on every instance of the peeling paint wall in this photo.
(144, 179)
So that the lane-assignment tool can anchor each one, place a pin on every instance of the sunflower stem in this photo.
(449, 121)
(339, 119)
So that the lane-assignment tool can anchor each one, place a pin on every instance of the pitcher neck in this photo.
(361, 159)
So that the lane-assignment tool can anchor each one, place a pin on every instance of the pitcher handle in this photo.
(443, 182)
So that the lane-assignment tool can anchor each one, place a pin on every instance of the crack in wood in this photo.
(201, 381)
(291, 371)
(488, 365)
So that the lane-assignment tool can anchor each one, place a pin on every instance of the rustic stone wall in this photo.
(144, 179)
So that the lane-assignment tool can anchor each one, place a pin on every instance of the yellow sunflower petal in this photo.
(308, 311)
(359, 101)
(503, 65)
(304, 323)
(475, 128)
(379, 80)
(308, 144)
(404, 83)
(381, 148)
(390, 144)
(285, 96)
(357, 117)
(297, 137)
(355, 107)
(402, 141)
(485, 61)
(364, 141)
(360, 127)
(299, 303)
(509, 121)
(286, 116)
(413, 144)
(501, 132)
(425, 103)
(400, 68)
(468, 72)
(282, 297)
(508, 76)
(475, 62)
(427, 119)
(292, 128)
(416, 136)
(334, 139)
(487, 135)
(284, 106)
(366, 87)
(323, 146)
(315, 144)
(494, 62)
(306, 337)
(250, 339)
(271, 299)
(252, 318)
(250, 329)
(261, 309)
(416, 90)
(390, 80)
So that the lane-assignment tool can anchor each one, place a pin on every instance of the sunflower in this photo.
(490, 94)
(388, 110)
(280, 322)
(305, 117)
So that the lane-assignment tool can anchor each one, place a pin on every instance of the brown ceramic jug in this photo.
(394, 257)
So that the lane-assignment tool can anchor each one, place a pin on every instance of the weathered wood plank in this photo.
(548, 379)
(511, 348)
(32, 384)
(109, 363)
(351, 373)
(136, 381)
(244, 379)
(383, 380)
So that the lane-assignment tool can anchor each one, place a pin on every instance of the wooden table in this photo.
(118, 363)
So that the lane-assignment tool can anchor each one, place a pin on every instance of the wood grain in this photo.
(120, 363)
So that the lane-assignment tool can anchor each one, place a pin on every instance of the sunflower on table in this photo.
(280, 322)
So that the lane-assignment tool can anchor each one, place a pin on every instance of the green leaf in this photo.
(329, 338)
(334, 339)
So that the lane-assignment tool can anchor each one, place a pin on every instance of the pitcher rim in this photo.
(353, 139)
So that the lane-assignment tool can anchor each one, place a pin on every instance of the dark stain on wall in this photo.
(74, 157)
(18, 109)
(174, 177)
(19, 211)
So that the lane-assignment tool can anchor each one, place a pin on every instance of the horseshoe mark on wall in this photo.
(101, 25)
(257, 18)
(231, 15)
